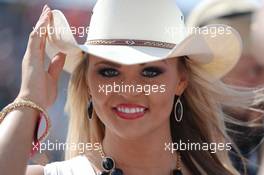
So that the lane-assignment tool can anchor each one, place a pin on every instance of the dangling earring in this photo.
(178, 110)
(90, 108)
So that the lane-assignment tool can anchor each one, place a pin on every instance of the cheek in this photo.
(162, 102)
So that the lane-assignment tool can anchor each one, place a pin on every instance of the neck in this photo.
(142, 155)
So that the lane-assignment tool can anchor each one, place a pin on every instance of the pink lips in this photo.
(130, 111)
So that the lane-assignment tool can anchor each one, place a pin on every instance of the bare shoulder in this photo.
(35, 170)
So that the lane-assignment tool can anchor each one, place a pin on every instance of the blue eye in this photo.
(151, 72)
(108, 72)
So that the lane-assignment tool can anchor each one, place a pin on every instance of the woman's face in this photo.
(134, 100)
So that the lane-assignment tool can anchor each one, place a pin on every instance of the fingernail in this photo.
(47, 14)
(44, 7)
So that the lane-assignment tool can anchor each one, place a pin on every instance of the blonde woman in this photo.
(177, 99)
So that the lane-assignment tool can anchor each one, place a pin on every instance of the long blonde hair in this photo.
(203, 120)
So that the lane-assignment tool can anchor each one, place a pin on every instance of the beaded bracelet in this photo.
(28, 103)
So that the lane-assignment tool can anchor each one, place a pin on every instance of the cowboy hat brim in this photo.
(217, 55)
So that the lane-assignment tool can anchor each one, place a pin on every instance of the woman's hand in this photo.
(38, 84)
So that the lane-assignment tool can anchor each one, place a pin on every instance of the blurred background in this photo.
(18, 17)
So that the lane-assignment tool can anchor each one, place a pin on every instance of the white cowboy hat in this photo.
(257, 35)
(132, 32)
(235, 13)
(212, 9)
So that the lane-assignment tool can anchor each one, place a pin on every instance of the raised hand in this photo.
(38, 84)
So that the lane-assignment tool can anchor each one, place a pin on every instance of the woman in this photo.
(134, 130)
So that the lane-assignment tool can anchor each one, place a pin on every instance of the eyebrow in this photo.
(119, 65)
(108, 63)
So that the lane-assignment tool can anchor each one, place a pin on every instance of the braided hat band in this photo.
(131, 42)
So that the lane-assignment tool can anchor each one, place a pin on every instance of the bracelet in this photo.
(28, 103)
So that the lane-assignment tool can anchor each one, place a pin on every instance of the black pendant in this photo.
(90, 110)
(177, 172)
(104, 173)
(108, 163)
(117, 171)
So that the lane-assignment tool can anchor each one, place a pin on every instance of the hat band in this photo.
(131, 42)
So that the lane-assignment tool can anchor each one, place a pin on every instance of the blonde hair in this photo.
(203, 100)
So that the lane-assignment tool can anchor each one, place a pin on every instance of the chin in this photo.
(131, 132)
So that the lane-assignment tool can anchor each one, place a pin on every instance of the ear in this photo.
(181, 86)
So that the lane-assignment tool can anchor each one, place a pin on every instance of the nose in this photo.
(130, 88)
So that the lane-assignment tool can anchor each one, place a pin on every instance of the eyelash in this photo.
(111, 72)
(155, 71)
(105, 72)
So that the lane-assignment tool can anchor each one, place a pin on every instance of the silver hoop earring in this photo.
(178, 110)
(90, 108)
